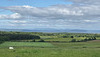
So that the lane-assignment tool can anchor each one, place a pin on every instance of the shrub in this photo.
(1, 42)
(72, 37)
(85, 39)
(64, 36)
(73, 40)
(33, 40)
(81, 40)
(94, 38)
(78, 41)
(41, 40)
(89, 39)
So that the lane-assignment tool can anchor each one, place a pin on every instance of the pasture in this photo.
(54, 45)
(26, 44)
(53, 49)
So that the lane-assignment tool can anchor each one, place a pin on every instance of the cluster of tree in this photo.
(8, 36)
(69, 36)
(59, 35)
(84, 40)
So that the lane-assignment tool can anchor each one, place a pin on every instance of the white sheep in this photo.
(11, 47)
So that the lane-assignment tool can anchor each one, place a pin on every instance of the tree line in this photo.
(84, 40)
(8, 36)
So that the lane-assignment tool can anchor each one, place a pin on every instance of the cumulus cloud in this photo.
(54, 16)
(42, 12)
(12, 16)
(52, 12)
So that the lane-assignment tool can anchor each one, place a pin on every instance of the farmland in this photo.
(89, 49)
(54, 45)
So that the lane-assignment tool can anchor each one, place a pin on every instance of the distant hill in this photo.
(53, 30)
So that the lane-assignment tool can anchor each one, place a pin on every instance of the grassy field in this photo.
(53, 49)
(49, 44)
(49, 52)
(89, 44)
(62, 39)
(26, 44)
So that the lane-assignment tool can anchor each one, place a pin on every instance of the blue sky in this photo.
(57, 14)
(37, 3)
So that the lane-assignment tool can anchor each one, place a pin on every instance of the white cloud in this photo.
(18, 22)
(12, 16)
(92, 21)
(54, 16)
(52, 12)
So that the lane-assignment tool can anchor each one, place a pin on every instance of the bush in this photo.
(78, 41)
(64, 36)
(72, 37)
(33, 40)
(89, 39)
(73, 40)
(82, 41)
(94, 38)
(1, 42)
(85, 39)
(41, 40)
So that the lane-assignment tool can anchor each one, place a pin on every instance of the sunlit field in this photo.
(50, 45)
(23, 49)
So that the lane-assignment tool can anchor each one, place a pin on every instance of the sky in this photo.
(57, 14)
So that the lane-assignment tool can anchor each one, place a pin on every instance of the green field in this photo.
(50, 52)
(53, 44)
(26, 44)
(62, 39)
(38, 49)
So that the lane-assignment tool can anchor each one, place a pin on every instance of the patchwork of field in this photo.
(49, 44)
(52, 49)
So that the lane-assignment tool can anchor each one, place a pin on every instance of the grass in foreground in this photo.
(50, 52)
(28, 49)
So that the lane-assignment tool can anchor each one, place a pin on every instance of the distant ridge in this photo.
(53, 30)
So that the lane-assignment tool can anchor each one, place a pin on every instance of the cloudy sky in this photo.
(57, 14)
